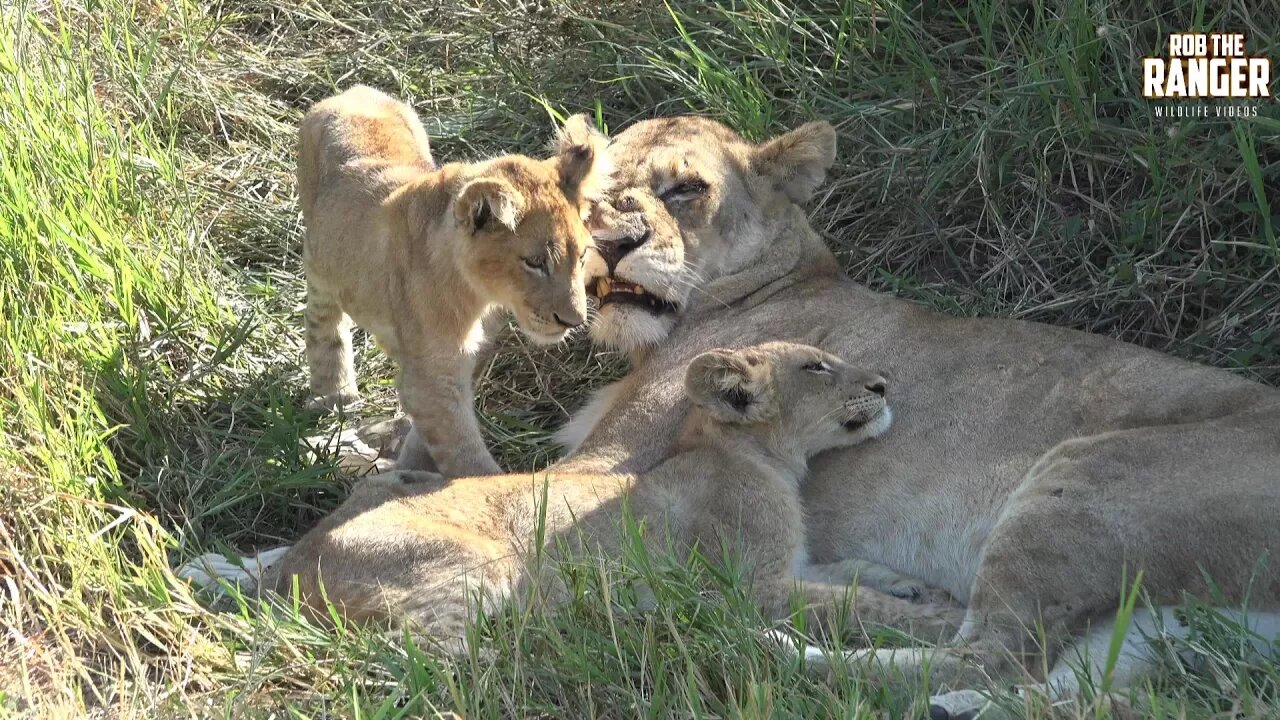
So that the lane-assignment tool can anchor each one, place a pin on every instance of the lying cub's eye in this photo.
(817, 367)
(536, 264)
(684, 191)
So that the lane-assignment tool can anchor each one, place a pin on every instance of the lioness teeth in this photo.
(622, 291)
(605, 286)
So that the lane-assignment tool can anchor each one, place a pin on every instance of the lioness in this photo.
(1035, 470)
(419, 551)
(419, 255)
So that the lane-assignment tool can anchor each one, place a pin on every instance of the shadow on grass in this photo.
(217, 449)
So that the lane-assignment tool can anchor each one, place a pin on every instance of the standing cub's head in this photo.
(522, 233)
(798, 399)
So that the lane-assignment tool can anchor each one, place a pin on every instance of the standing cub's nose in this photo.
(876, 386)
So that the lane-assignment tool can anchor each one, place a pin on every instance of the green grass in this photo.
(995, 159)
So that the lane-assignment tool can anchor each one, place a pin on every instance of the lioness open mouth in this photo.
(621, 291)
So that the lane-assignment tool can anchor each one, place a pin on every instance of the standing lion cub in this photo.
(418, 552)
(418, 256)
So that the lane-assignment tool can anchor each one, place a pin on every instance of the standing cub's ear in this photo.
(586, 172)
(797, 162)
(735, 386)
(485, 202)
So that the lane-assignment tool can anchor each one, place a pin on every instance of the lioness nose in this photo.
(877, 386)
(614, 250)
(571, 322)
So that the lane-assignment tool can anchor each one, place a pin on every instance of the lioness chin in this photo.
(420, 256)
(1035, 470)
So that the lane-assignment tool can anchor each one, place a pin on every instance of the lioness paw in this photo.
(906, 589)
(917, 591)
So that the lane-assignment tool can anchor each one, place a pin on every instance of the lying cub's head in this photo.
(798, 399)
(521, 228)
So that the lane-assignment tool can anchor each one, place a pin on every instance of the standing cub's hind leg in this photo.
(330, 356)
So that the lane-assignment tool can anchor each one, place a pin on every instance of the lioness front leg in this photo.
(878, 577)
(825, 604)
(442, 406)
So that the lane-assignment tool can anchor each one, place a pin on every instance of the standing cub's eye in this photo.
(535, 264)
(817, 367)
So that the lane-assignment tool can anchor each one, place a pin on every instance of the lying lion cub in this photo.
(416, 552)
(419, 255)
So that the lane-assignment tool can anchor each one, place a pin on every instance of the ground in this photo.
(995, 159)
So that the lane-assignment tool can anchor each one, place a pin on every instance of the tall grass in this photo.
(99, 267)
(995, 158)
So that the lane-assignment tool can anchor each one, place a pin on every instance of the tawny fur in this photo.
(419, 256)
(419, 552)
(1035, 470)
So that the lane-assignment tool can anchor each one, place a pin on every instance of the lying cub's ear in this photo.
(797, 162)
(485, 202)
(733, 385)
(586, 172)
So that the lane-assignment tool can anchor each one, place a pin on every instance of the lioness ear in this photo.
(486, 201)
(586, 172)
(797, 162)
(733, 386)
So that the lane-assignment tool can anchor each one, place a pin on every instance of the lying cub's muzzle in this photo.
(860, 412)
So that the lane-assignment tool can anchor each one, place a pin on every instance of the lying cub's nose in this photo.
(569, 323)
(877, 386)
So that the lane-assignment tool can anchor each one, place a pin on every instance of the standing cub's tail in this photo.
(246, 572)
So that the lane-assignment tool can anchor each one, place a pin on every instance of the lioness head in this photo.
(693, 201)
(798, 398)
(525, 232)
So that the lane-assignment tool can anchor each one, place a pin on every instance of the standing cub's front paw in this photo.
(333, 402)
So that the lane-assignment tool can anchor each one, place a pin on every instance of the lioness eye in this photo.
(688, 188)
(536, 264)
(817, 367)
